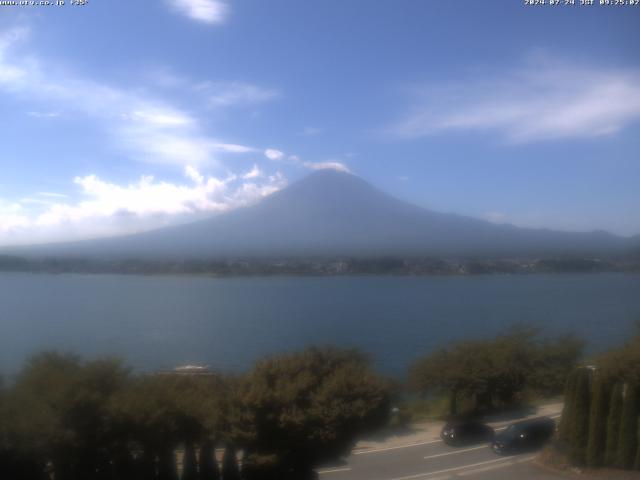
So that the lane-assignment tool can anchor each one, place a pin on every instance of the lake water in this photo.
(161, 322)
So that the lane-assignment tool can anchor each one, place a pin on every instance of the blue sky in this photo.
(120, 116)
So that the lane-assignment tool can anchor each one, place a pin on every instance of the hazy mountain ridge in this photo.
(330, 213)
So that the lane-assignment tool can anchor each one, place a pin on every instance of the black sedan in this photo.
(459, 433)
(524, 436)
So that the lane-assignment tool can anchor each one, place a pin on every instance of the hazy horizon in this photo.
(196, 219)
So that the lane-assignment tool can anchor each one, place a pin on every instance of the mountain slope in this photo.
(333, 213)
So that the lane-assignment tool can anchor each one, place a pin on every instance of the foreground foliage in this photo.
(95, 420)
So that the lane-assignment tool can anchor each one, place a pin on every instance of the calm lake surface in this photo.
(161, 322)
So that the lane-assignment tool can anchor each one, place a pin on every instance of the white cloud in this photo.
(495, 217)
(108, 208)
(331, 165)
(226, 94)
(273, 154)
(194, 175)
(207, 11)
(255, 172)
(540, 102)
(11, 217)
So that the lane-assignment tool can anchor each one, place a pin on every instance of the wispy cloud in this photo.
(206, 11)
(309, 131)
(542, 101)
(226, 94)
(279, 156)
(43, 114)
(215, 94)
(147, 128)
(52, 194)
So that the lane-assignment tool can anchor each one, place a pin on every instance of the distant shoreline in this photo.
(322, 267)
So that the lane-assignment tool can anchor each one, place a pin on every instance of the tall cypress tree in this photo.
(579, 434)
(189, 463)
(208, 463)
(568, 410)
(230, 470)
(598, 422)
(613, 425)
(636, 465)
(628, 439)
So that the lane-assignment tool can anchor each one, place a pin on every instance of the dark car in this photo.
(466, 433)
(523, 436)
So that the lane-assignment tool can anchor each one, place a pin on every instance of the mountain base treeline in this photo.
(325, 266)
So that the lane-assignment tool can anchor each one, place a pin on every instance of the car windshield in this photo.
(512, 431)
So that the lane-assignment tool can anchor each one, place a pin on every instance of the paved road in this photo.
(434, 460)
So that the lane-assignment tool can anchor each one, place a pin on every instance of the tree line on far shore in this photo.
(96, 420)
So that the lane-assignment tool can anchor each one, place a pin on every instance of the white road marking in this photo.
(452, 469)
(455, 452)
(417, 444)
(334, 470)
(475, 471)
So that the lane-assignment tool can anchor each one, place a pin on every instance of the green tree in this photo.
(59, 413)
(568, 410)
(613, 425)
(442, 372)
(497, 370)
(554, 360)
(257, 466)
(307, 407)
(598, 421)
(628, 440)
(580, 422)
(623, 364)
(15, 463)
